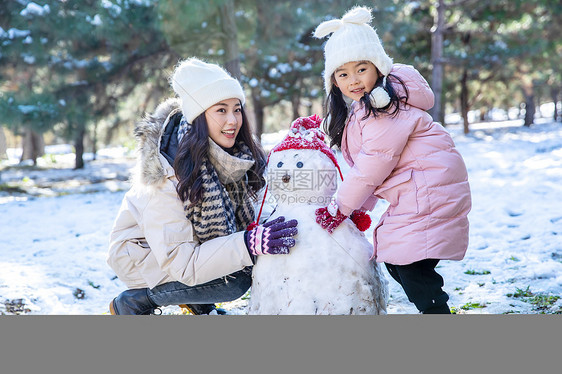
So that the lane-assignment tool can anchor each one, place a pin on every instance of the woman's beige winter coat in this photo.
(152, 242)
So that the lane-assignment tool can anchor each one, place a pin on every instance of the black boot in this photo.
(438, 309)
(199, 309)
(132, 302)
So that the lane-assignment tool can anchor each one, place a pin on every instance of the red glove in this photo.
(327, 221)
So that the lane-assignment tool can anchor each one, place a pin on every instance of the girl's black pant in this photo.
(423, 285)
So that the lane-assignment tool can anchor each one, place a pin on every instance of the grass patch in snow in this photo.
(469, 306)
(541, 302)
(473, 272)
(11, 189)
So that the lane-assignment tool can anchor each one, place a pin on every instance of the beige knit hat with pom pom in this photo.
(352, 39)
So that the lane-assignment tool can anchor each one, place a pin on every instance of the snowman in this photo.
(327, 274)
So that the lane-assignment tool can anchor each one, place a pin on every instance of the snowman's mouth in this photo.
(286, 178)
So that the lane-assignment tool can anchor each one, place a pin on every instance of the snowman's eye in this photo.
(300, 164)
(280, 164)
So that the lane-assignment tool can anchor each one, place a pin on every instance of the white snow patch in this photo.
(33, 9)
(53, 245)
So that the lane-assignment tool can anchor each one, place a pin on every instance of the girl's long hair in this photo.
(193, 150)
(336, 108)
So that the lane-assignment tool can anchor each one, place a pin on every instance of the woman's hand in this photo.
(272, 238)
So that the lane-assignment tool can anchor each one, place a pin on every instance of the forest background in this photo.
(83, 72)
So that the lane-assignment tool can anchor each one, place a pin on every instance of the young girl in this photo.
(398, 153)
(180, 237)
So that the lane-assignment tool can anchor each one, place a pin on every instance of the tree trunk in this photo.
(538, 104)
(483, 114)
(3, 144)
(295, 104)
(437, 60)
(464, 100)
(258, 113)
(33, 146)
(230, 40)
(79, 148)
(554, 92)
(529, 94)
(95, 142)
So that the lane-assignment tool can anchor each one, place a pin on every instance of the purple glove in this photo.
(271, 238)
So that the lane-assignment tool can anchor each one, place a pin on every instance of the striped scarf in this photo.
(226, 206)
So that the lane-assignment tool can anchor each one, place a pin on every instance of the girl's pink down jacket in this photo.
(410, 161)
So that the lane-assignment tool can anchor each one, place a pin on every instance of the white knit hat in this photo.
(353, 39)
(201, 85)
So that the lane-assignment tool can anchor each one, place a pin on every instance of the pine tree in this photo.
(70, 64)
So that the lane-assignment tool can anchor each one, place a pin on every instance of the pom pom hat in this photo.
(353, 39)
(305, 133)
(200, 85)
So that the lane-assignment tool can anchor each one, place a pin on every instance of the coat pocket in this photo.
(145, 262)
(138, 251)
(401, 191)
(394, 181)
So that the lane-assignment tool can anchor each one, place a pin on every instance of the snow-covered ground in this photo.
(53, 237)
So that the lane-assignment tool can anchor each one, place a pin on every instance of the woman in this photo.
(180, 237)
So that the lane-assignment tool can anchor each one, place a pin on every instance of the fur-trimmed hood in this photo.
(152, 167)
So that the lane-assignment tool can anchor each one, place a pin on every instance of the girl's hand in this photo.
(328, 221)
(271, 238)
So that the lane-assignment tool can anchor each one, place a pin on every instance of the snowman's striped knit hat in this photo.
(305, 133)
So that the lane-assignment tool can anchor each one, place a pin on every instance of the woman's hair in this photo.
(193, 149)
(337, 108)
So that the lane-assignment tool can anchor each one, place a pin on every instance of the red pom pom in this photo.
(252, 226)
(361, 219)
